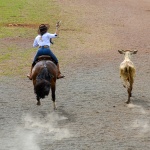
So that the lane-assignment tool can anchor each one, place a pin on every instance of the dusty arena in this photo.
(91, 110)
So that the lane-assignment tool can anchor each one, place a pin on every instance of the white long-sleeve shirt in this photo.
(44, 39)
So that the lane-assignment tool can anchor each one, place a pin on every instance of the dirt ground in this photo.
(91, 113)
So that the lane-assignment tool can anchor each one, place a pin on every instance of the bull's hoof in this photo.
(38, 103)
(127, 102)
(55, 108)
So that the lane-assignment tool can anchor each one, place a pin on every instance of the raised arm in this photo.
(57, 27)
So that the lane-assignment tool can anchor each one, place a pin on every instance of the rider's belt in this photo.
(45, 46)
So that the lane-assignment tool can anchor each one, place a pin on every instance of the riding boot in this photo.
(30, 74)
(59, 73)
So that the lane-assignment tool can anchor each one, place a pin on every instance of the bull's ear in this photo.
(121, 51)
(135, 51)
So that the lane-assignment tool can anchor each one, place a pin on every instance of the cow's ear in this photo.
(135, 51)
(121, 51)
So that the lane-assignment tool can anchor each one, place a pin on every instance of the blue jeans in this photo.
(45, 51)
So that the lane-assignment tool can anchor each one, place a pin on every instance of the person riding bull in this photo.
(43, 41)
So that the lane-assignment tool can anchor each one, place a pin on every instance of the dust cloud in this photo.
(35, 130)
(137, 108)
(140, 125)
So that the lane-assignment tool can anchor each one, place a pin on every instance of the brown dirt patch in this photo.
(21, 25)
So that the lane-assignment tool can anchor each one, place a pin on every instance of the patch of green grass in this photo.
(4, 57)
(7, 32)
(20, 20)
(26, 12)
(16, 62)
(14, 14)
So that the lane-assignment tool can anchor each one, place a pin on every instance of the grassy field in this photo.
(28, 12)
(18, 27)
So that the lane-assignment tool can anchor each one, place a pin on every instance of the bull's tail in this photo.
(127, 75)
(131, 73)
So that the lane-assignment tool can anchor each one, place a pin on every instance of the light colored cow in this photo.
(127, 71)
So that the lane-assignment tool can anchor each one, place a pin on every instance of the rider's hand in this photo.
(58, 24)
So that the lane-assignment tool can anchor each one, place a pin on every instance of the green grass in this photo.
(26, 12)
(15, 60)
(18, 27)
